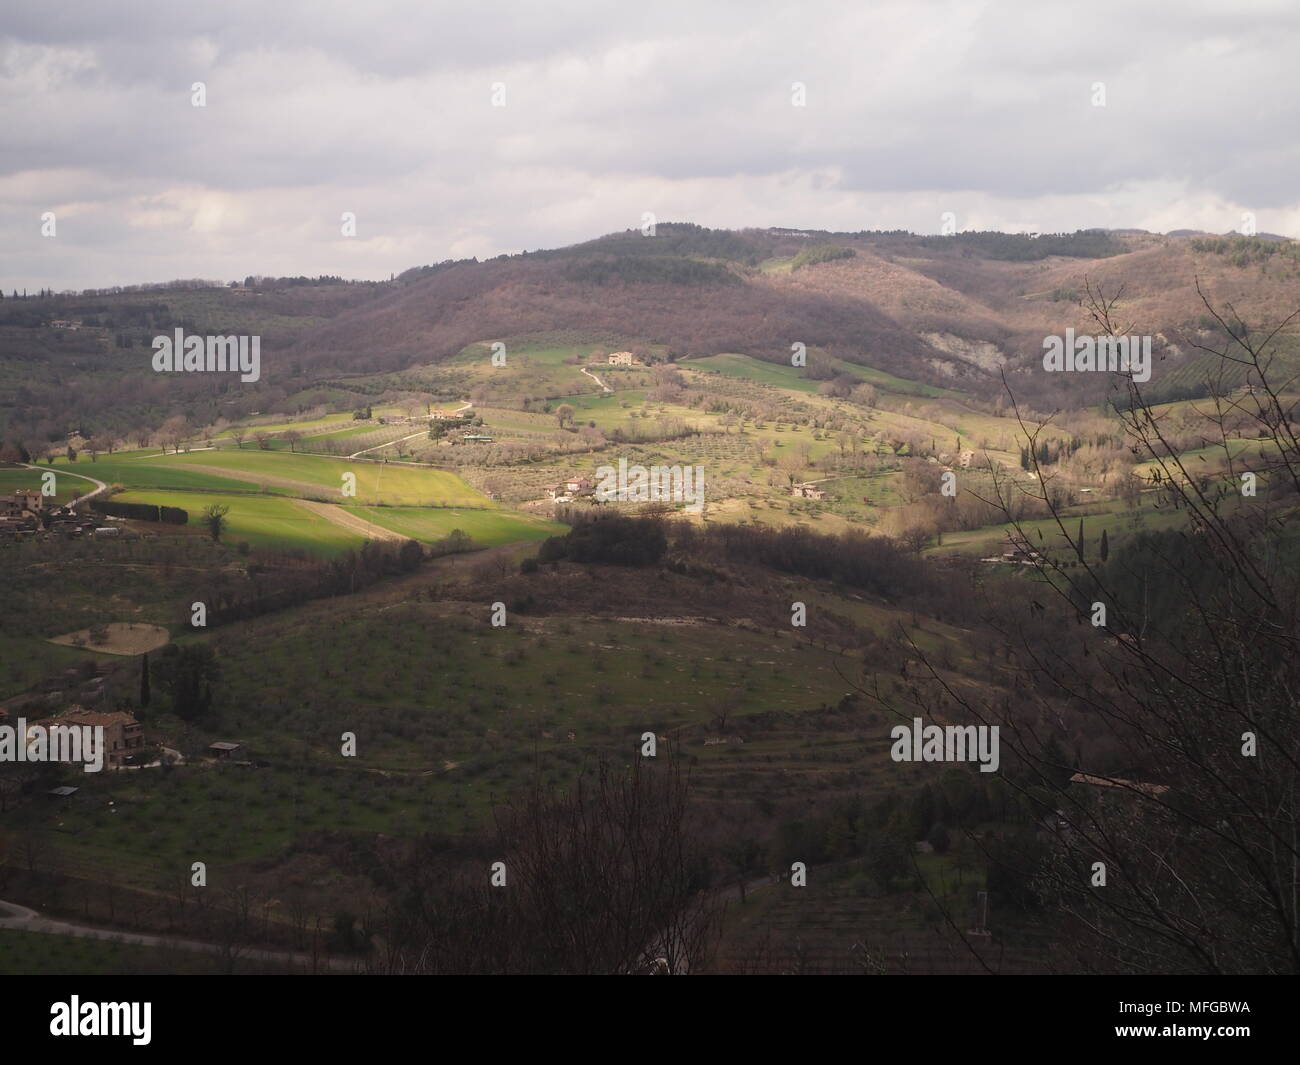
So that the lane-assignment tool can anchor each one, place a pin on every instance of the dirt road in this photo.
(379, 447)
(68, 473)
(24, 919)
(598, 381)
(339, 516)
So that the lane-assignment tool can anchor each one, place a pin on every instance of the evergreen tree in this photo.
(1105, 546)
(144, 680)
(188, 675)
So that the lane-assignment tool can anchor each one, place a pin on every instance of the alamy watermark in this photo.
(53, 743)
(946, 743)
(1127, 354)
(239, 354)
(661, 484)
(79, 1018)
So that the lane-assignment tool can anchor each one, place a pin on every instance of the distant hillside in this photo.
(957, 312)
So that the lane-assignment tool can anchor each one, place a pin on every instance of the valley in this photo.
(420, 460)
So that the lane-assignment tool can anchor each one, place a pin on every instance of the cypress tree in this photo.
(144, 680)
(1105, 546)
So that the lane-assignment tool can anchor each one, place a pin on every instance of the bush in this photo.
(618, 540)
(136, 511)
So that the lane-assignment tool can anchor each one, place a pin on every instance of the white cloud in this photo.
(682, 108)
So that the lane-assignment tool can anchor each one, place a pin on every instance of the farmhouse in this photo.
(123, 734)
(474, 438)
(1020, 556)
(807, 490)
(24, 502)
(224, 750)
(623, 358)
(572, 486)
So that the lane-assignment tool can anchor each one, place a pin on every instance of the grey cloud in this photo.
(314, 108)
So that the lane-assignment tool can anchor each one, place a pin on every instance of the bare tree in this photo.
(1156, 722)
(604, 878)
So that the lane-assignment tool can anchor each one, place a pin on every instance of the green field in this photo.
(889, 383)
(438, 741)
(269, 522)
(488, 527)
(782, 376)
(1045, 534)
(316, 475)
(14, 478)
(768, 373)
(43, 954)
(151, 473)
(25, 660)
(259, 487)
(530, 366)
(308, 427)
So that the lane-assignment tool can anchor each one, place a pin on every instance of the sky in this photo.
(476, 128)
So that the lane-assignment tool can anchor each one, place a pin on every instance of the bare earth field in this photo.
(124, 638)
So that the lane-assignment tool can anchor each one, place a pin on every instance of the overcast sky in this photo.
(982, 108)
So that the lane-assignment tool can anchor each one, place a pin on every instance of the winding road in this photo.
(68, 473)
(598, 381)
(422, 432)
